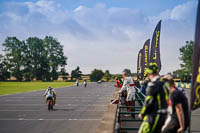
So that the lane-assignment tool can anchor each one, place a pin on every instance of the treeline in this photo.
(33, 58)
(186, 54)
(95, 75)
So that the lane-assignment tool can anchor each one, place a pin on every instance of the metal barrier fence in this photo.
(135, 109)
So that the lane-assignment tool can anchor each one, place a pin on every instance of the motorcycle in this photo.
(50, 102)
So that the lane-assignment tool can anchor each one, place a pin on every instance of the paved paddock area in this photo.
(78, 110)
(195, 117)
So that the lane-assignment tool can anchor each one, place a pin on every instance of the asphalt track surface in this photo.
(78, 110)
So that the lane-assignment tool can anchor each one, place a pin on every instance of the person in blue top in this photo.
(144, 86)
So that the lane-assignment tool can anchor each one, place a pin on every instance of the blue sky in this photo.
(145, 5)
(104, 34)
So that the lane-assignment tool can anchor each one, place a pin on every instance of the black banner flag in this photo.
(145, 57)
(139, 62)
(195, 92)
(155, 46)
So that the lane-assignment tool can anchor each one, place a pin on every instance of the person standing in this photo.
(118, 82)
(77, 82)
(137, 83)
(128, 85)
(85, 83)
(178, 118)
(144, 86)
(154, 110)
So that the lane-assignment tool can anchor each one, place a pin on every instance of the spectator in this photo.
(77, 82)
(137, 84)
(178, 118)
(144, 86)
(128, 85)
(85, 83)
(117, 83)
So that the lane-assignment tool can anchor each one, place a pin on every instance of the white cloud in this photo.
(98, 37)
(49, 9)
(79, 8)
(182, 12)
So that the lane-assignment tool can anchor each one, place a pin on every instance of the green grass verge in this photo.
(19, 87)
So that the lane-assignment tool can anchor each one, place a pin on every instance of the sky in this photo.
(103, 34)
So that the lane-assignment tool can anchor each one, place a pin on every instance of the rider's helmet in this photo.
(152, 69)
(49, 88)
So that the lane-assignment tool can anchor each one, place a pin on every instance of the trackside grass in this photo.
(19, 87)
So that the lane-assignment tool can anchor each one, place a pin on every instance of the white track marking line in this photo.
(53, 111)
(22, 104)
(62, 97)
(56, 100)
(22, 119)
(56, 105)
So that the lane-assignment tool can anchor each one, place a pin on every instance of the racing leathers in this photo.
(155, 106)
(50, 93)
(129, 86)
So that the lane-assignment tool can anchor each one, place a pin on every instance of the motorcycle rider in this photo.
(154, 110)
(50, 93)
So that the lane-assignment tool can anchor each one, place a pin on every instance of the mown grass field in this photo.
(19, 87)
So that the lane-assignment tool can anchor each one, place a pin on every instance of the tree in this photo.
(64, 73)
(96, 75)
(34, 58)
(28, 66)
(180, 74)
(186, 53)
(76, 73)
(46, 57)
(14, 50)
(38, 64)
(118, 76)
(4, 69)
(186, 56)
(107, 75)
(55, 55)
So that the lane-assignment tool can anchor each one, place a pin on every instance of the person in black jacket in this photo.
(178, 118)
(154, 110)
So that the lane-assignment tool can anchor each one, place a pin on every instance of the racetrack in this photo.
(78, 110)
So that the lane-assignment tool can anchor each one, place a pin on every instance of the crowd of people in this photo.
(165, 108)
